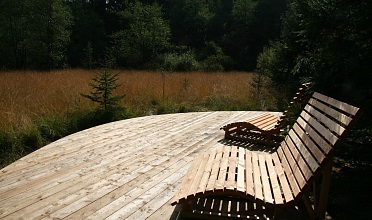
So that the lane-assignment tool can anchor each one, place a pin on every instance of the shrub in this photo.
(214, 59)
(180, 62)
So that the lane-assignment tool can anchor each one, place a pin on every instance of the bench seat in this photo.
(226, 180)
(265, 129)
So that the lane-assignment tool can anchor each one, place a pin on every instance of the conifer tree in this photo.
(103, 85)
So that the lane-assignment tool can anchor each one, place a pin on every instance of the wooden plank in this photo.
(305, 153)
(221, 177)
(324, 132)
(82, 182)
(313, 148)
(258, 118)
(337, 104)
(284, 185)
(314, 135)
(292, 157)
(250, 187)
(232, 165)
(278, 199)
(215, 169)
(71, 145)
(337, 115)
(118, 196)
(188, 179)
(300, 165)
(152, 203)
(258, 189)
(202, 161)
(100, 145)
(241, 171)
(207, 171)
(288, 172)
(266, 185)
(330, 124)
(268, 123)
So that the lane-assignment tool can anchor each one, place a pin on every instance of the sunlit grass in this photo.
(26, 96)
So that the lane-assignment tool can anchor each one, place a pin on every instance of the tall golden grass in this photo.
(29, 95)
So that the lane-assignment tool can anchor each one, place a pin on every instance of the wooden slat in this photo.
(324, 132)
(192, 190)
(258, 189)
(288, 172)
(215, 169)
(314, 135)
(305, 153)
(292, 156)
(344, 119)
(241, 168)
(221, 177)
(259, 118)
(207, 171)
(298, 164)
(231, 183)
(313, 148)
(265, 122)
(250, 187)
(284, 184)
(337, 104)
(268, 197)
(274, 180)
(333, 126)
(184, 189)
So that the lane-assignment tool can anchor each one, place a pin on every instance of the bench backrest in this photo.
(321, 126)
(299, 100)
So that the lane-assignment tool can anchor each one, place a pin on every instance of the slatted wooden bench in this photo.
(265, 128)
(233, 182)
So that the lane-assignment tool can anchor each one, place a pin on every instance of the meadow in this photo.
(27, 95)
(39, 107)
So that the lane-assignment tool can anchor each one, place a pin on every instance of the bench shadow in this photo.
(248, 146)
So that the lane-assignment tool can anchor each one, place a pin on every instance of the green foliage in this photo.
(243, 11)
(261, 93)
(147, 34)
(17, 143)
(52, 128)
(327, 42)
(88, 37)
(189, 22)
(42, 34)
(180, 62)
(214, 59)
(34, 33)
(103, 87)
(5, 148)
(221, 102)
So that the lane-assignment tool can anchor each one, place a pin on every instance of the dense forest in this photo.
(146, 34)
(324, 41)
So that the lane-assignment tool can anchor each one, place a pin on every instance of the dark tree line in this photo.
(327, 42)
(191, 34)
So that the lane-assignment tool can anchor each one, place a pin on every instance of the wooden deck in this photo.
(129, 169)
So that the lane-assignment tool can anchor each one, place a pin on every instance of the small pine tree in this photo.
(103, 85)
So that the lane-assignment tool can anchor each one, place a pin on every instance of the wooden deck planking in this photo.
(127, 169)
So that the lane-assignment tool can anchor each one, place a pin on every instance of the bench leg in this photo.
(324, 190)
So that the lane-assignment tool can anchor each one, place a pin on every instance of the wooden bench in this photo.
(265, 128)
(233, 182)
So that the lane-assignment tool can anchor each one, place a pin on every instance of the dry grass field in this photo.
(27, 95)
